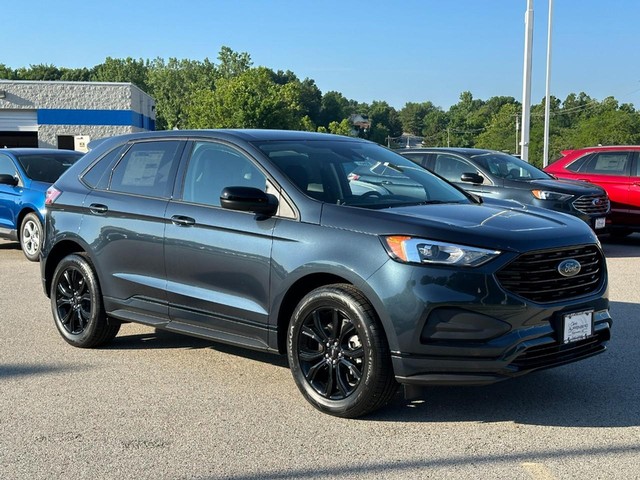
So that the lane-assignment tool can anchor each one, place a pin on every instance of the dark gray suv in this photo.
(262, 239)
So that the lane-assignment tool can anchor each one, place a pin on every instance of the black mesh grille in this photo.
(592, 204)
(535, 275)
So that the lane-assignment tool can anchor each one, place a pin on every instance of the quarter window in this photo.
(147, 169)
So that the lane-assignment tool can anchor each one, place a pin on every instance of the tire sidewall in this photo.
(339, 298)
(31, 218)
(85, 338)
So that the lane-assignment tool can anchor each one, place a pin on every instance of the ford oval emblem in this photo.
(569, 267)
(596, 202)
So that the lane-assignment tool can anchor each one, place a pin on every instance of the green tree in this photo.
(232, 63)
(175, 84)
(501, 134)
(334, 108)
(38, 72)
(7, 73)
(126, 70)
(341, 128)
(249, 100)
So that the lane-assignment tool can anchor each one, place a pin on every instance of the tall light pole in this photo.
(547, 98)
(526, 81)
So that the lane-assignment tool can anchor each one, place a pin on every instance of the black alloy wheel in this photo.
(77, 304)
(338, 353)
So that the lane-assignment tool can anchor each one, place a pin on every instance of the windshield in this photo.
(506, 166)
(44, 167)
(358, 173)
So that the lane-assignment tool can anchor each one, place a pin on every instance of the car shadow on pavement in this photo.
(6, 245)
(621, 247)
(164, 339)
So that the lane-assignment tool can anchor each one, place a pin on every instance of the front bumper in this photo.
(449, 326)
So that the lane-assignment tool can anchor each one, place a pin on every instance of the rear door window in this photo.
(608, 163)
(147, 169)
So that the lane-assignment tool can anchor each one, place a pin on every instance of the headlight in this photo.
(420, 250)
(555, 196)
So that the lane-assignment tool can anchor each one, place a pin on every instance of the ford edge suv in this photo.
(256, 238)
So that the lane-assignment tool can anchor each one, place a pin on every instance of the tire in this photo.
(338, 352)
(620, 233)
(76, 302)
(31, 236)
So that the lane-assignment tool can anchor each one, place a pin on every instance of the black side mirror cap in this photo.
(472, 178)
(248, 199)
(6, 179)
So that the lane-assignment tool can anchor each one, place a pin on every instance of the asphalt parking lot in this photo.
(155, 405)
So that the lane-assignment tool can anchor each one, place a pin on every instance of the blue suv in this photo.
(25, 175)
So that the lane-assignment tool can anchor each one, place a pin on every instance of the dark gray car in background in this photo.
(499, 175)
(257, 238)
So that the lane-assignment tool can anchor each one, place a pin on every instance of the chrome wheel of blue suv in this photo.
(31, 237)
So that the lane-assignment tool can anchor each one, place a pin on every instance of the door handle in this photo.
(98, 208)
(183, 221)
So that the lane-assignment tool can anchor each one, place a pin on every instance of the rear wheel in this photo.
(31, 237)
(338, 352)
(76, 303)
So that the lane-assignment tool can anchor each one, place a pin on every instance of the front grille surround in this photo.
(535, 276)
(593, 204)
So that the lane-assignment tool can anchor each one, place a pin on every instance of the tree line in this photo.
(232, 93)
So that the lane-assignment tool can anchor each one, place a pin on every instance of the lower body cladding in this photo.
(453, 327)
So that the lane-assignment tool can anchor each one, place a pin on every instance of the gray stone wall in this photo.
(48, 134)
(28, 95)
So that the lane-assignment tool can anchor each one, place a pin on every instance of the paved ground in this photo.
(156, 405)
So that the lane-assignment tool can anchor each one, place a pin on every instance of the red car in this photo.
(617, 170)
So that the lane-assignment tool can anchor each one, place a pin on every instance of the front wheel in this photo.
(76, 303)
(338, 353)
(31, 237)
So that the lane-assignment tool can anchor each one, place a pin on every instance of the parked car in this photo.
(617, 170)
(498, 175)
(25, 175)
(255, 238)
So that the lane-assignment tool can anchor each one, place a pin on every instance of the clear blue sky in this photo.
(397, 51)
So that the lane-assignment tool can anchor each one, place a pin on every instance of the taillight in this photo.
(52, 194)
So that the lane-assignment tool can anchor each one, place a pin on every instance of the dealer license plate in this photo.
(600, 222)
(578, 326)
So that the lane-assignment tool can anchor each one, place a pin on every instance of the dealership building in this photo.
(68, 115)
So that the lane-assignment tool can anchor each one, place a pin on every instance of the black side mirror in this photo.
(248, 199)
(6, 179)
(472, 178)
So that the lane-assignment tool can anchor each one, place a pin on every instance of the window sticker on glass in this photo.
(142, 169)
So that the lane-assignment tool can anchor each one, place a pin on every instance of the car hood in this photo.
(501, 225)
(574, 187)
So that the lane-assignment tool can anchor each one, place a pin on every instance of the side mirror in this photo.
(6, 179)
(248, 199)
(472, 178)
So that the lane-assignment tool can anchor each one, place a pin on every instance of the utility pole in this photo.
(517, 132)
(547, 98)
(526, 81)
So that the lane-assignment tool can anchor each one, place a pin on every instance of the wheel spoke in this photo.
(356, 353)
(307, 332)
(317, 323)
(343, 386)
(310, 356)
(330, 381)
(353, 368)
(310, 375)
(335, 323)
(345, 329)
